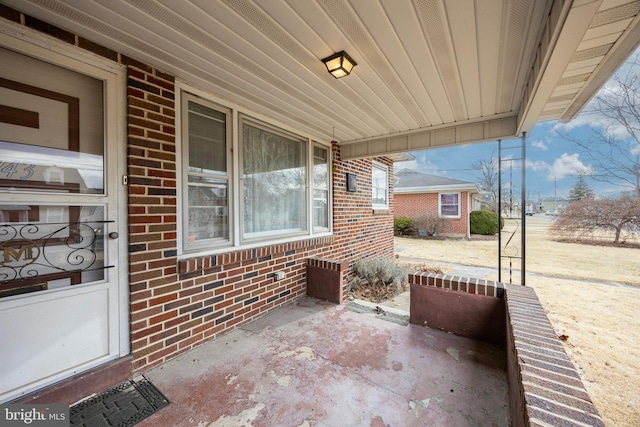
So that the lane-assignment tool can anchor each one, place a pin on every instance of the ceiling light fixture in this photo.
(339, 64)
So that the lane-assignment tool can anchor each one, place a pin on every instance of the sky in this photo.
(553, 162)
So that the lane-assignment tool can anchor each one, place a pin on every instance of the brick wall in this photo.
(179, 304)
(545, 388)
(416, 204)
(359, 231)
(155, 290)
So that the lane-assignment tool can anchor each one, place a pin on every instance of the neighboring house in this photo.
(552, 204)
(418, 193)
(208, 155)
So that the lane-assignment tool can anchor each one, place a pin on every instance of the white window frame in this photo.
(440, 204)
(185, 97)
(236, 240)
(385, 169)
(311, 185)
(267, 235)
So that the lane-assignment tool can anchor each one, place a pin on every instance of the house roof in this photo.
(430, 73)
(411, 181)
(554, 199)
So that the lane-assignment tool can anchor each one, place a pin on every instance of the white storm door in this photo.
(62, 297)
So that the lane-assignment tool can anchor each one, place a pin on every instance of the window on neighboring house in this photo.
(281, 187)
(449, 204)
(206, 200)
(379, 185)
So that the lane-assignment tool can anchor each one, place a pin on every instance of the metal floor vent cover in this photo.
(124, 405)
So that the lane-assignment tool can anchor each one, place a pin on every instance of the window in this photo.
(206, 200)
(277, 187)
(379, 186)
(52, 128)
(449, 205)
(320, 188)
(274, 169)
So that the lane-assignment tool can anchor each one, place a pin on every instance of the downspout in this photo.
(468, 214)
(499, 210)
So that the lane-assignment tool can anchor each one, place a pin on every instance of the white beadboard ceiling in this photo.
(430, 73)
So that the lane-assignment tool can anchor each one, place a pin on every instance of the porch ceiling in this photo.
(430, 73)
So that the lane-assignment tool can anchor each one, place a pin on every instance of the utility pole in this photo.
(555, 194)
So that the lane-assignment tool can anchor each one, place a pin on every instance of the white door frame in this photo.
(43, 47)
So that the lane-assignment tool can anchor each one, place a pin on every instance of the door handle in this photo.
(113, 235)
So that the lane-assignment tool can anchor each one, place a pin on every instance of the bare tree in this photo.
(488, 179)
(614, 128)
(488, 170)
(587, 219)
(532, 200)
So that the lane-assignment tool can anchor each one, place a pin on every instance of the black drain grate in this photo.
(124, 405)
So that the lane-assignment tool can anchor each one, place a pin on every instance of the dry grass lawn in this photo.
(602, 321)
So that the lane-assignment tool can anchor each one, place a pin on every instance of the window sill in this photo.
(195, 265)
(250, 246)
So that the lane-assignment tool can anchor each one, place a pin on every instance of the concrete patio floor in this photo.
(313, 363)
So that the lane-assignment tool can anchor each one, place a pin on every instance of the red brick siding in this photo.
(416, 204)
(158, 327)
(545, 387)
(359, 231)
(179, 304)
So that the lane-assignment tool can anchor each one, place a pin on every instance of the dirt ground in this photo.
(602, 320)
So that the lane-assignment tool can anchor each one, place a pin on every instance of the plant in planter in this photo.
(377, 279)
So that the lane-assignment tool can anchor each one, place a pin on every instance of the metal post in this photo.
(499, 210)
(523, 208)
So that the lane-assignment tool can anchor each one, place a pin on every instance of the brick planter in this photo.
(325, 279)
(545, 388)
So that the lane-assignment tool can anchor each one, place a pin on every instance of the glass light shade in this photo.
(339, 64)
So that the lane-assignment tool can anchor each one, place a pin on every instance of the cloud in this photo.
(563, 166)
(539, 144)
(509, 162)
(596, 121)
(538, 166)
(568, 165)
(421, 164)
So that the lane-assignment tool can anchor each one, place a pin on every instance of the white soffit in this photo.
(604, 34)
(430, 73)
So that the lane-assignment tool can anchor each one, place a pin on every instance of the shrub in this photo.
(592, 219)
(430, 223)
(380, 278)
(484, 222)
(402, 225)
